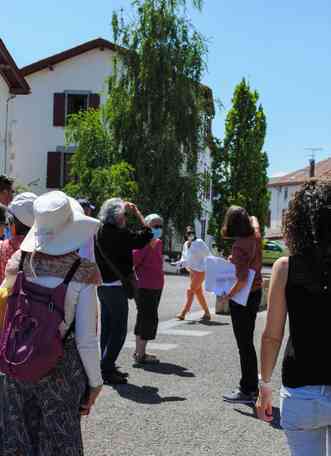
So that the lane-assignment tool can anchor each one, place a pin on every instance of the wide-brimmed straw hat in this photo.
(22, 207)
(60, 225)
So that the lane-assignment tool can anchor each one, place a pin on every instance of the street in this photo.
(176, 407)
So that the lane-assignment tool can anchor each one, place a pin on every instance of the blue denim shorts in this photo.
(306, 419)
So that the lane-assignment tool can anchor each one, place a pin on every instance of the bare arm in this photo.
(272, 336)
(256, 225)
(273, 333)
(132, 207)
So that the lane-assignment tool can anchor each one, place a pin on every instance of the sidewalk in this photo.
(176, 408)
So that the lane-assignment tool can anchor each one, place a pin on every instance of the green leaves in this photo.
(157, 110)
(94, 167)
(240, 166)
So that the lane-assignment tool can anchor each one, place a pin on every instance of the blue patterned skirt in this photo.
(43, 419)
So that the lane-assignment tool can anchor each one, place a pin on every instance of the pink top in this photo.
(148, 263)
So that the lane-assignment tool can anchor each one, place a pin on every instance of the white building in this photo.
(283, 188)
(12, 83)
(62, 84)
(201, 225)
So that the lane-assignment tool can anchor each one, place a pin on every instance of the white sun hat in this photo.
(22, 208)
(60, 225)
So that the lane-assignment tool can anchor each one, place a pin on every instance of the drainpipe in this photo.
(6, 133)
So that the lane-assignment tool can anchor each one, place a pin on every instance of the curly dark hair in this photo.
(307, 227)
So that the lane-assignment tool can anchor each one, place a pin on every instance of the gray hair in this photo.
(152, 217)
(110, 210)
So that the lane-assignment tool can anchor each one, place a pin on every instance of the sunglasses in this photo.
(157, 226)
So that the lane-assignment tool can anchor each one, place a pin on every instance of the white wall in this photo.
(33, 132)
(205, 162)
(4, 94)
(280, 198)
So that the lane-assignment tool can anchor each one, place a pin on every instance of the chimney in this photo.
(312, 168)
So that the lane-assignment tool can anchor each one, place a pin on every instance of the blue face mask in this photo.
(157, 233)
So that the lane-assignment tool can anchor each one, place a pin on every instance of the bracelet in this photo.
(263, 384)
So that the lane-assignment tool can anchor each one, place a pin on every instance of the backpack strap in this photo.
(72, 271)
(23, 256)
(67, 280)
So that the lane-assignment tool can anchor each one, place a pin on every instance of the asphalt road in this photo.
(176, 408)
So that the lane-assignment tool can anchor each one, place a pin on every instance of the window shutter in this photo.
(53, 170)
(94, 100)
(59, 110)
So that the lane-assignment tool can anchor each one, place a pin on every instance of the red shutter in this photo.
(59, 110)
(94, 100)
(53, 170)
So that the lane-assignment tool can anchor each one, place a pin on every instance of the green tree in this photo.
(240, 163)
(159, 114)
(95, 173)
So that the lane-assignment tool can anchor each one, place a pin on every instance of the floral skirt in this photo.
(43, 419)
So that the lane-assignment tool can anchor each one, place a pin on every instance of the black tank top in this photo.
(307, 359)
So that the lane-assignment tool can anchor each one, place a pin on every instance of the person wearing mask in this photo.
(114, 246)
(300, 289)
(246, 254)
(148, 264)
(43, 417)
(193, 258)
(21, 219)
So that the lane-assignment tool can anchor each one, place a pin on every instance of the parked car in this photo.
(272, 250)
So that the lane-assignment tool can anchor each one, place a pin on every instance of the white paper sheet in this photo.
(221, 276)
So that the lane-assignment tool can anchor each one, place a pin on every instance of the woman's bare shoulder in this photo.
(280, 268)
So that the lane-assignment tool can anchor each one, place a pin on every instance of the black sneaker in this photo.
(114, 379)
(238, 397)
(123, 374)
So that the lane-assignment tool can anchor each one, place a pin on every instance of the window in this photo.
(285, 193)
(206, 194)
(67, 103)
(66, 168)
(203, 229)
(76, 102)
(58, 169)
(268, 219)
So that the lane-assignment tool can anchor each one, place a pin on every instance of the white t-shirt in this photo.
(193, 257)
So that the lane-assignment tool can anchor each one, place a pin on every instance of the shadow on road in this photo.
(275, 423)
(207, 323)
(167, 369)
(145, 394)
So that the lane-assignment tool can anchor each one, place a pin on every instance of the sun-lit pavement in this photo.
(176, 408)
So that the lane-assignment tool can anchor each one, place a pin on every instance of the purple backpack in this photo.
(30, 343)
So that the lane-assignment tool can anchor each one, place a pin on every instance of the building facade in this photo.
(282, 190)
(12, 84)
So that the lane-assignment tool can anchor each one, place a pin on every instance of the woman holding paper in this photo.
(193, 259)
(246, 255)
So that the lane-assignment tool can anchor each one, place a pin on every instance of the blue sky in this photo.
(282, 47)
